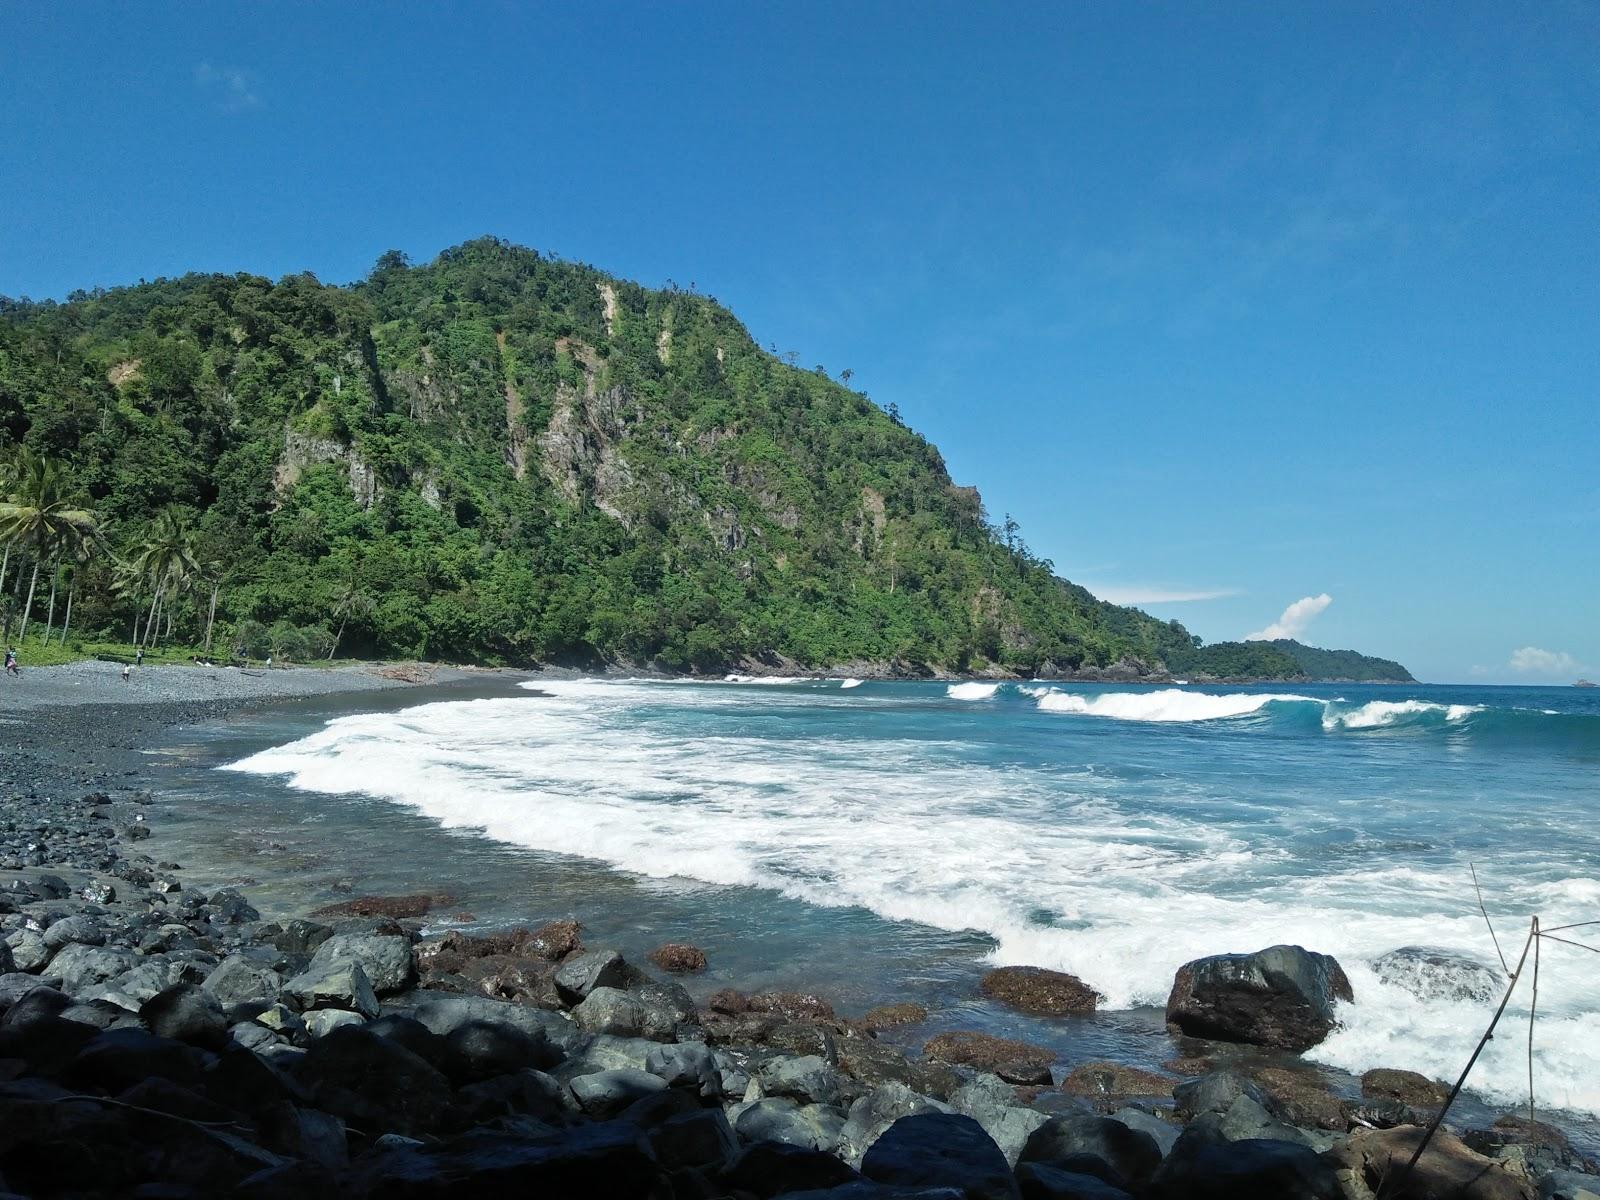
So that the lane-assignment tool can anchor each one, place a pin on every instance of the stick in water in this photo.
(1488, 1034)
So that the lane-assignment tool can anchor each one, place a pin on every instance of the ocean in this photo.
(878, 841)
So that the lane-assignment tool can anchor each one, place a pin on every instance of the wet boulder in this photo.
(1038, 991)
(679, 958)
(1013, 1061)
(1434, 973)
(1408, 1087)
(1114, 1079)
(1282, 997)
(892, 1016)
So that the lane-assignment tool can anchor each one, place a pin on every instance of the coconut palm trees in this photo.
(39, 517)
(167, 562)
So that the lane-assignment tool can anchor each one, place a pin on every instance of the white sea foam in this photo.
(772, 679)
(972, 691)
(1062, 868)
(849, 683)
(1168, 704)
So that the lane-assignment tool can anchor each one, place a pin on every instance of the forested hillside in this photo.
(503, 457)
(1343, 665)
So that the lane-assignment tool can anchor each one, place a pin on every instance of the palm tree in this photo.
(166, 562)
(83, 548)
(40, 518)
(353, 598)
(8, 479)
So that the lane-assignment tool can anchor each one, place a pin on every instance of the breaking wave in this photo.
(972, 691)
(1118, 872)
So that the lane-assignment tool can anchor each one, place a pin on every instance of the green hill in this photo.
(1342, 665)
(503, 457)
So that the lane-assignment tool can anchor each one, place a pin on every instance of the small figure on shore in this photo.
(11, 662)
(127, 670)
(138, 657)
(269, 662)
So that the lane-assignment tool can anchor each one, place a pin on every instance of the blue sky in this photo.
(1246, 303)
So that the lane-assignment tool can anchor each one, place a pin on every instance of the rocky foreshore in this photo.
(158, 1041)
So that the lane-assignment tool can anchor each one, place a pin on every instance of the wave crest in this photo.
(1169, 704)
(972, 691)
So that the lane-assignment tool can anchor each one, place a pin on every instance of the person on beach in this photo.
(11, 662)
(138, 657)
(127, 670)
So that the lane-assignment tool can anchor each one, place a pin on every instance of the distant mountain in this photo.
(1342, 665)
(499, 456)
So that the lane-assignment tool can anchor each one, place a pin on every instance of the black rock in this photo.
(767, 1168)
(480, 1050)
(1216, 1091)
(1046, 1181)
(299, 936)
(186, 1013)
(1202, 1169)
(579, 976)
(522, 1093)
(1283, 997)
(606, 1093)
(373, 1083)
(599, 1160)
(701, 1138)
(38, 1002)
(119, 1058)
(415, 1037)
(941, 1149)
(1131, 1153)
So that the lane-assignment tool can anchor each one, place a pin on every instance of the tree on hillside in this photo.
(40, 519)
(84, 548)
(167, 564)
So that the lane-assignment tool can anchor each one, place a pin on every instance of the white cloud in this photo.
(1530, 660)
(235, 88)
(1134, 594)
(1292, 623)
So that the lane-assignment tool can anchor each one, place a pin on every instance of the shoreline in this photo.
(58, 764)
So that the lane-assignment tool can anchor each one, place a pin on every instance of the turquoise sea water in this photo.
(889, 840)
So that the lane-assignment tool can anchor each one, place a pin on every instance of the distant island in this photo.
(503, 457)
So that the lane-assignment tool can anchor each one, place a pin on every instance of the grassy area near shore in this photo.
(33, 653)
